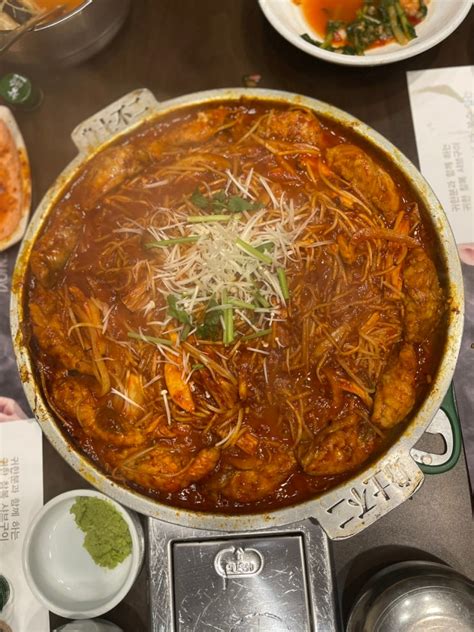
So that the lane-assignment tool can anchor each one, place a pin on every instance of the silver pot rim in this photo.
(326, 508)
(63, 18)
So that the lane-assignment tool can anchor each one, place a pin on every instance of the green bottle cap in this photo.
(4, 592)
(18, 90)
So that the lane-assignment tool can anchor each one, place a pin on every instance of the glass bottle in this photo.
(18, 91)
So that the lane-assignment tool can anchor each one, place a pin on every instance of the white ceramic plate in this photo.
(61, 573)
(444, 16)
(7, 118)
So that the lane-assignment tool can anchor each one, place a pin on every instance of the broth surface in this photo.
(51, 4)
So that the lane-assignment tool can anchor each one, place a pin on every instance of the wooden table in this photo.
(175, 48)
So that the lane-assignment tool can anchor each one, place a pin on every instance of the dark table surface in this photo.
(177, 47)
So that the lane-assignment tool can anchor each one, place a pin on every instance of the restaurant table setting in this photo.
(236, 322)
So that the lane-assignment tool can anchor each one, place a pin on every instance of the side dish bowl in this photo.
(24, 183)
(73, 37)
(61, 573)
(442, 19)
(369, 494)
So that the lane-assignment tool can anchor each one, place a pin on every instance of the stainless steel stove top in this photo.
(278, 580)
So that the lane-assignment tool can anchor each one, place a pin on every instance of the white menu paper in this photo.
(442, 105)
(21, 497)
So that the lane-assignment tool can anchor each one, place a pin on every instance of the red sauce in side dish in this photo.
(318, 12)
(51, 4)
(357, 26)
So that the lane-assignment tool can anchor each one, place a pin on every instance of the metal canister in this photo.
(19, 92)
(414, 595)
(70, 38)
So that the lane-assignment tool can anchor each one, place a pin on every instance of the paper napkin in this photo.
(21, 497)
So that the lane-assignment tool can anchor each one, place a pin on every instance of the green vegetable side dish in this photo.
(377, 22)
(107, 536)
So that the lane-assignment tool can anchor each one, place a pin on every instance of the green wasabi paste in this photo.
(107, 538)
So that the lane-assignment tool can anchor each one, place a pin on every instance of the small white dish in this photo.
(444, 16)
(62, 574)
(7, 117)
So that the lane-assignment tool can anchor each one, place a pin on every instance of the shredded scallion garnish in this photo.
(283, 283)
(205, 219)
(162, 243)
(242, 304)
(228, 333)
(261, 300)
(254, 252)
(256, 334)
(151, 339)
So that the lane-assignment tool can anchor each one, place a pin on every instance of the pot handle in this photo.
(348, 510)
(124, 113)
(446, 423)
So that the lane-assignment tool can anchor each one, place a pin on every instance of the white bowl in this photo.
(61, 573)
(443, 17)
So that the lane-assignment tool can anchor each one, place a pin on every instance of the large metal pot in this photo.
(342, 511)
(72, 38)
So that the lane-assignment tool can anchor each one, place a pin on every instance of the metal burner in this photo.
(278, 580)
